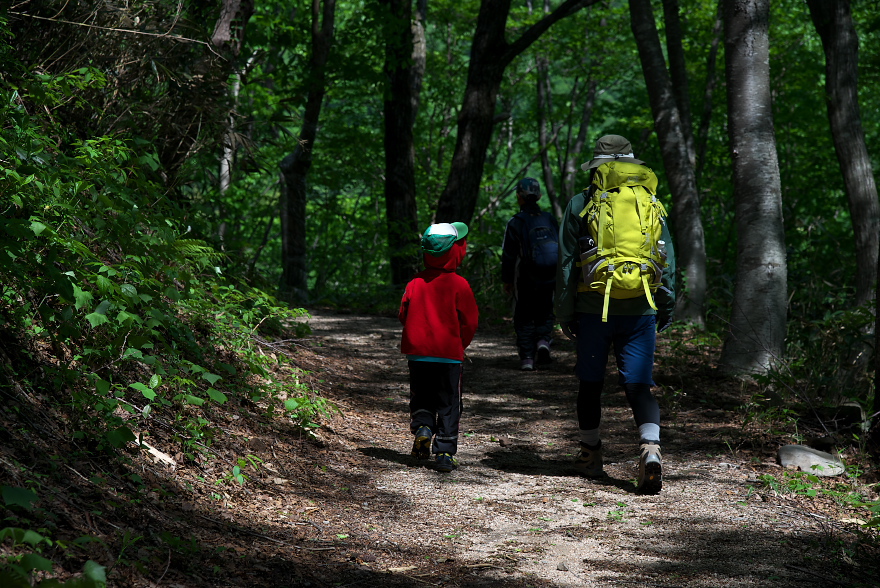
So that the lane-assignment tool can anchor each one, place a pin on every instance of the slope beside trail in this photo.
(514, 514)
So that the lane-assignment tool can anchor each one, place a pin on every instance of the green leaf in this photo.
(33, 538)
(155, 381)
(119, 437)
(217, 396)
(194, 399)
(95, 572)
(103, 387)
(148, 393)
(82, 297)
(129, 291)
(132, 352)
(96, 319)
(19, 496)
(37, 227)
(212, 378)
(32, 561)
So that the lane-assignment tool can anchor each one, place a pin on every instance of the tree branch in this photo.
(534, 32)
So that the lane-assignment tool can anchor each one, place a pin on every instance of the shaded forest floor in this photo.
(350, 507)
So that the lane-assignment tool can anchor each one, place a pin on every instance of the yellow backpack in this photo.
(622, 252)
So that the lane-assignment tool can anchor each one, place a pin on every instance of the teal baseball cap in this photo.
(439, 238)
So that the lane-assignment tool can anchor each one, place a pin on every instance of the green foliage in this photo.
(102, 270)
(26, 566)
(811, 486)
(810, 377)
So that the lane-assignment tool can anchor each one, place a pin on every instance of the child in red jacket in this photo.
(439, 316)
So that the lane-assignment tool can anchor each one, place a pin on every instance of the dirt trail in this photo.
(514, 514)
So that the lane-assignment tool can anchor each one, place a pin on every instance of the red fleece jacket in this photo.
(438, 311)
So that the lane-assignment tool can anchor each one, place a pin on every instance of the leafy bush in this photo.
(107, 289)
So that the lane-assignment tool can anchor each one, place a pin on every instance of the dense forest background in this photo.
(181, 178)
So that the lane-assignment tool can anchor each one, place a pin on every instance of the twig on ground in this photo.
(812, 573)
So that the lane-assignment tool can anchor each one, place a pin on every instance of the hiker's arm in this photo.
(569, 253)
(509, 252)
(665, 296)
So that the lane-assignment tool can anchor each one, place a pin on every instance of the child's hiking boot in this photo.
(445, 462)
(650, 479)
(543, 356)
(527, 364)
(589, 461)
(421, 448)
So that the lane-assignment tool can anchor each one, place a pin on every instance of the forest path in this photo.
(514, 514)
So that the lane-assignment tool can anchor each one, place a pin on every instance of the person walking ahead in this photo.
(439, 316)
(528, 272)
(615, 288)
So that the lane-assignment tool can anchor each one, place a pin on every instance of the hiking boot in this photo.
(421, 448)
(527, 364)
(445, 462)
(589, 461)
(543, 356)
(650, 468)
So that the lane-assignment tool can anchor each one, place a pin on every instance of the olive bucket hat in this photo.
(611, 148)
(439, 238)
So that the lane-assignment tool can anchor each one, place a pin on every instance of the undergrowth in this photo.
(115, 317)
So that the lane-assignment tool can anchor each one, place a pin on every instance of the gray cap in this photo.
(611, 148)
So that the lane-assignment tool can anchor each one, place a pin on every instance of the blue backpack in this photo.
(540, 246)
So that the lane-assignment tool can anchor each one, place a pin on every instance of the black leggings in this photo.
(435, 401)
(641, 401)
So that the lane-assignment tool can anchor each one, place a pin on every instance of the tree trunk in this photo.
(228, 37)
(833, 21)
(758, 317)
(575, 151)
(685, 216)
(545, 109)
(711, 67)
(295, 167)
(678, 73)
(490, 55)
(405, 55)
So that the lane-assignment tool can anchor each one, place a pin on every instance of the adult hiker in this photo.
(528, 271)
(615, 287)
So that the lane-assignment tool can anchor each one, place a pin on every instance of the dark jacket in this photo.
(515, 241)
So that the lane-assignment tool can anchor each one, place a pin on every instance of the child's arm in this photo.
(404, 307)
(468, 316)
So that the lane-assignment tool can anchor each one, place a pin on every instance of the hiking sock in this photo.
(589, 437)
(649, 432)
(589, 405)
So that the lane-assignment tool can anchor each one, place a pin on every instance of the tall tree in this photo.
(295, 167)
(405, 57)
(834, 23)
(678, 72)
(490, 55)
(228, 37)
(686, 220)
(758, 316)
(702, 138)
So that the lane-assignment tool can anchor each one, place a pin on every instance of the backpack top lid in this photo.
(611, 148)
